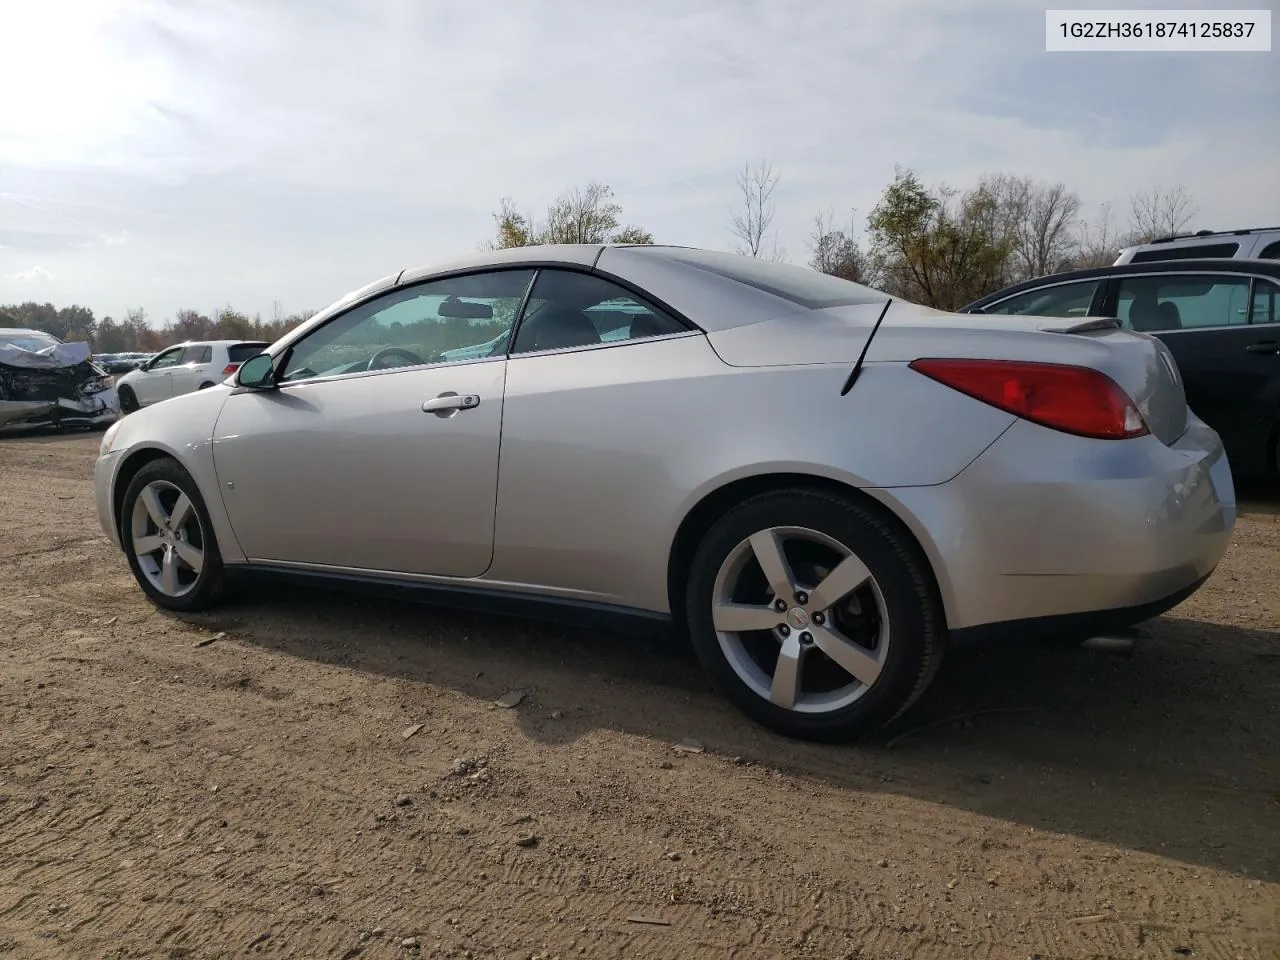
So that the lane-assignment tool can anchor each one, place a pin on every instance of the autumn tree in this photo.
(586, 214)
(835, 252)
(750, 222)
(940, 248)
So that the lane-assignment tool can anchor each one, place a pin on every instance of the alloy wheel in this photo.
(167, 538)
(800, 619)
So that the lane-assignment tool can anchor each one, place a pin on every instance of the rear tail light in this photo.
(229, 369)
(1072, 399)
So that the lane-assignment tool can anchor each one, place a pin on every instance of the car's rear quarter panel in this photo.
(605, 452)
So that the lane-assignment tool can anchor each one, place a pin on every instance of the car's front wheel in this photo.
(169, 540)
(814, 614)
(128, 400)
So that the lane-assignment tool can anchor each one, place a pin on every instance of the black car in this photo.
(1219, 318)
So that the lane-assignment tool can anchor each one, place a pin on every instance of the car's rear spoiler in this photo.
(1086, 326)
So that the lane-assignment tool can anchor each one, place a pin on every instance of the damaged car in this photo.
(46, 382)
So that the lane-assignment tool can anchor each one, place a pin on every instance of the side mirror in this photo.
(257, 373)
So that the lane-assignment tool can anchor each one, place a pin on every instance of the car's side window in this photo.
(170, 358)
(569, 309)
(1271, 253)
(467, 317)
(1060, 300)
(1182, 302)
(197, 354)
(1266, 302)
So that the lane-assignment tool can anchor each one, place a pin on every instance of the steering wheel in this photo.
(375, 360)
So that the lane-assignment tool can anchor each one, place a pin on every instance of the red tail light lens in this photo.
(229, 369)
(1072, 399)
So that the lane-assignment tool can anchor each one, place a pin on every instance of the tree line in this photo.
(939, 246)
(134, 335)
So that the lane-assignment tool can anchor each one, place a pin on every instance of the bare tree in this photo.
(750, 224)
(1039, 219)
(1160, 213)
(1097, 241)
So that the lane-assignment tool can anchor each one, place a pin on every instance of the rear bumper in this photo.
(1046, 529)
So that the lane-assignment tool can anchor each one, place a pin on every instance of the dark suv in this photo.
(1220, 318)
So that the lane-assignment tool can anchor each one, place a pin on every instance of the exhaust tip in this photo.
(1118, 644)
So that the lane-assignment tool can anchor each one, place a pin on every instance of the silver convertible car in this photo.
(821, 486)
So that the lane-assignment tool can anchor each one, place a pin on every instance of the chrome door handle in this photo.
(447, 404)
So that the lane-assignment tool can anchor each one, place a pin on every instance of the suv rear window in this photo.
(800, 285)
(240, 352)
(1191, 251)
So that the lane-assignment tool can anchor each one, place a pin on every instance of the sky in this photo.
(170, 154)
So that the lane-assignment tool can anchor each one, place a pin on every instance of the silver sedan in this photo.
(821, 486)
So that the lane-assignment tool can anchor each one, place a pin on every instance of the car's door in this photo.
(373, 453)
(154, 382)
(1204, 319)
(587, 400)
(194, 368)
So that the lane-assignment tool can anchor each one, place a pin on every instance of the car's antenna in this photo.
(857, 367)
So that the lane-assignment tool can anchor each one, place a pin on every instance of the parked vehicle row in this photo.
(822, 486)
(116, 363)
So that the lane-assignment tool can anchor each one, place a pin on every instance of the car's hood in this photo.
(50, 358)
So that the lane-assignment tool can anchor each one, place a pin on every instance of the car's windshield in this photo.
(28, 341)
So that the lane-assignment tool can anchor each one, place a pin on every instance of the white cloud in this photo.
(34, 275)
(293, 150)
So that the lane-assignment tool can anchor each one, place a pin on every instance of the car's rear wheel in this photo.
(169, 540)
(205, 386)
(128, 400)
(814, 614)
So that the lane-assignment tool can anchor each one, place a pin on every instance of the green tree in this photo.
(110, 338)
(68, 323)
(587, 214)
(232, 325)
(942, 249)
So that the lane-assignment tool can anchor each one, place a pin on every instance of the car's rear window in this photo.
(240, 352)
(1193, 251)
(800, 285)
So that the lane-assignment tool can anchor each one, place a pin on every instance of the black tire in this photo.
(911, 603)
(208, 586)
(128, 400)
(204, 386)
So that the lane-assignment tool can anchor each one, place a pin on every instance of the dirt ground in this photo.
(245, 783)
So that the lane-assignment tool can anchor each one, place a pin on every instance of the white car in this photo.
(183, 369)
